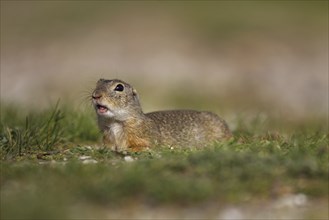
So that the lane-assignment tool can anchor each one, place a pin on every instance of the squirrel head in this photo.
(115, 99)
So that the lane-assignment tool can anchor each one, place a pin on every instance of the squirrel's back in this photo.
(189, 128)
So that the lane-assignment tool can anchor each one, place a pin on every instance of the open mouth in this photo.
(101, 109)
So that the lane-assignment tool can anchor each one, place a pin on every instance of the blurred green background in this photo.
(261, 65)
(225, 56)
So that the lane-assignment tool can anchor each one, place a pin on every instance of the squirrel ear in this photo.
(135, 94)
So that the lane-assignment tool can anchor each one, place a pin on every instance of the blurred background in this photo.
(226, 56)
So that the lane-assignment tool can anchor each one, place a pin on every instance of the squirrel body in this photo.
(126, 128)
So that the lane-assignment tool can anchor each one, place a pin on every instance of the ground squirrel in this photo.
(126, 128)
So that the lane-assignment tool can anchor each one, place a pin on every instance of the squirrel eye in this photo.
(119, 88)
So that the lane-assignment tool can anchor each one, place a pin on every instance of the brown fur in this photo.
(127, 128)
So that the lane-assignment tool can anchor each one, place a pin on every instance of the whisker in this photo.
(85, 97)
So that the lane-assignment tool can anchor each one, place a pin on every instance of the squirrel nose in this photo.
(96, 96)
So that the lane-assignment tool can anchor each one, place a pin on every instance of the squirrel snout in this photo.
(96, 96)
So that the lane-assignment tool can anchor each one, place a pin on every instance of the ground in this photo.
(54, 168)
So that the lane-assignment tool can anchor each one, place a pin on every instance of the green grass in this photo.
(48, 130)
(43, 175)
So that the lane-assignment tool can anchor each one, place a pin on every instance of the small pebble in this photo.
(89, 161)
(84, 157)
(128, 159)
